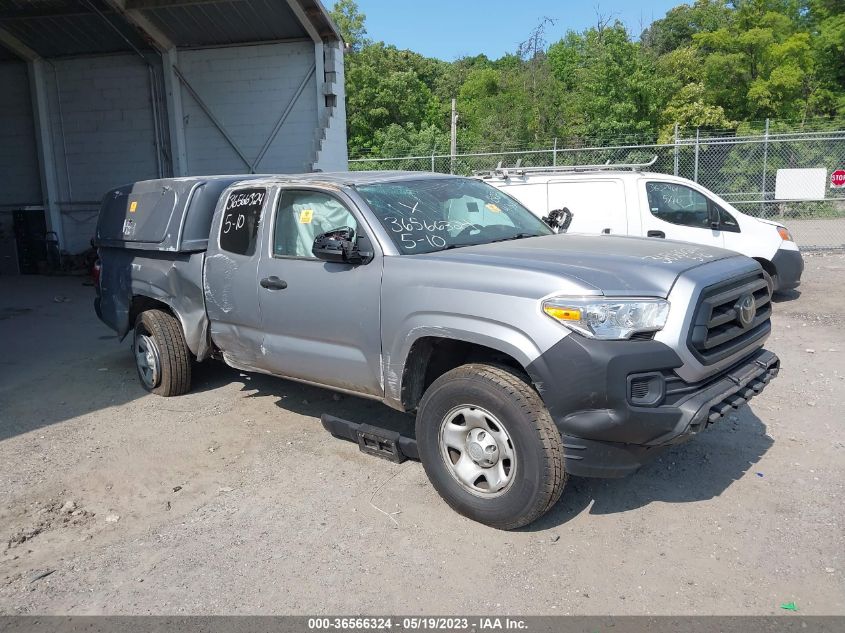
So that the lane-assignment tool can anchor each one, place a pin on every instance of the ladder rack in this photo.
(518, 170)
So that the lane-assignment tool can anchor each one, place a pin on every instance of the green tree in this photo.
(761, 63)
(826, 19)
(350, 21)
(384, 87)
(680, 24)
(611, 87)
(711, 64)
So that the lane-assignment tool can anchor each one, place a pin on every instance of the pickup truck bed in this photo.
(153, 235)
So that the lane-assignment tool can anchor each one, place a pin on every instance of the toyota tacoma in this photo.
(525, 355)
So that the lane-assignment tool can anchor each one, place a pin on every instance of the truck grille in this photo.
(730, 316)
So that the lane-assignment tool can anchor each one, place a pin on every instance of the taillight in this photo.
(95, 272)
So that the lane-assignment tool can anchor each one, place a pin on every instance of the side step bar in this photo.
(373, 440)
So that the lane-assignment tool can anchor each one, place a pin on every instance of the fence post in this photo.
(677, 157)
(554, 154)
(695, 169)
(453, 146)
(433, 149)
(765, 165)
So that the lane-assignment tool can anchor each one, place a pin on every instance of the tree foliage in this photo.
(350, 21)
(712, 64)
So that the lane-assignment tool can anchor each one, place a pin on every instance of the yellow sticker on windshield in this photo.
(132, 206)
(493, 207)
(305, 216)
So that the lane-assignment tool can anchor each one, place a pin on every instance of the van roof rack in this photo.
(518, 170)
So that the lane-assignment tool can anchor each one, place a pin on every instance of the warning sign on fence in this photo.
(837, 179)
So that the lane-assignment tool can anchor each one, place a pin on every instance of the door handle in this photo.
(656, 234)
(273, 283)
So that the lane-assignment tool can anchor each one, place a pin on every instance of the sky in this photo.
(450, 29)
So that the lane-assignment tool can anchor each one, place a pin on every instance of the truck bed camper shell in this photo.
(167, 214)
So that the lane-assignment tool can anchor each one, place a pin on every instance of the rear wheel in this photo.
(162, 357)
(489, 446)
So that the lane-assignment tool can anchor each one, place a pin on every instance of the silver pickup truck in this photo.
(526, 355)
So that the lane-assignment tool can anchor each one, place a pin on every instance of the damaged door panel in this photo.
(320, 319)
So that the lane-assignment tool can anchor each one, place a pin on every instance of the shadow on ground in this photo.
(39, 332)
(786, 296)
(700, 469)
(301, 398)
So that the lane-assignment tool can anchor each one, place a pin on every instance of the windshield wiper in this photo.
(451, 246)
(518, 236)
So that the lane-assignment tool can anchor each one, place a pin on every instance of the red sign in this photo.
(837, 179)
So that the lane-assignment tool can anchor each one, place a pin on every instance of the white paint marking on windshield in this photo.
(413, 209)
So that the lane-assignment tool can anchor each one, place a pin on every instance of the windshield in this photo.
(434, 214)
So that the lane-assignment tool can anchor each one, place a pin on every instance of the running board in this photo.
(373, 440)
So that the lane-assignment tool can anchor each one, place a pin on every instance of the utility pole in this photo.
(453, 148)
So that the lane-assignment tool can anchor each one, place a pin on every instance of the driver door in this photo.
(321, 320)
(675, 211)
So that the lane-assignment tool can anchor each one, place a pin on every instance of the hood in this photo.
(765, 221)
(610, 265)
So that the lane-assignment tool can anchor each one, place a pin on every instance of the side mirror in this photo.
(339, 246)
(559, 219)
(715, 223)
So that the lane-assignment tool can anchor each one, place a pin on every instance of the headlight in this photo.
(606, 317)
(784, 234)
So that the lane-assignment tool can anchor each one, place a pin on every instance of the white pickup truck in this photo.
(612, 200)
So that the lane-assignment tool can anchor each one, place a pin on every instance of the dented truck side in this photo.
(526, 355)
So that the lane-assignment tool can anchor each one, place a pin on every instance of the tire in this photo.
(162, 357)
(499, 402)
(771, 283)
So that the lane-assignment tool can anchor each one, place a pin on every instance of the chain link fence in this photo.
(747, 171)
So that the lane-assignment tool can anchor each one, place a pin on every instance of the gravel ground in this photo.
(817, 233)
(232, 499)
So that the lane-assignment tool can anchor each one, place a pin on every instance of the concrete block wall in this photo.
(19, 178)
(247, 88)
(332, 153)
(101, 124)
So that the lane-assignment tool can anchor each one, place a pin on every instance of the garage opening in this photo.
(100, 93)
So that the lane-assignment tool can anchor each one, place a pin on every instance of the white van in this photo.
(607, 199)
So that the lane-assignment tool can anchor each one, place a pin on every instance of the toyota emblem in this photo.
(746, 309)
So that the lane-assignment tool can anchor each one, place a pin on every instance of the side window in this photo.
(678, 204)
(726, 221)
(241, 218)
(302, 216)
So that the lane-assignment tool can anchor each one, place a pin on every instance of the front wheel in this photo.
(162, 357)
(770, 283)
(489, 446)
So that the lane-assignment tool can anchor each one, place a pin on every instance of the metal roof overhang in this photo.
(62, 28)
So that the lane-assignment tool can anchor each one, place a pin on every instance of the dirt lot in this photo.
(818, 233)
(233, 499)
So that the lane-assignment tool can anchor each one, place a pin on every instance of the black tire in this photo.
(173, 377)
(771, 283)
(538, 478)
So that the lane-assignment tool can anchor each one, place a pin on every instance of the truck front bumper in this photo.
(618, 404)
